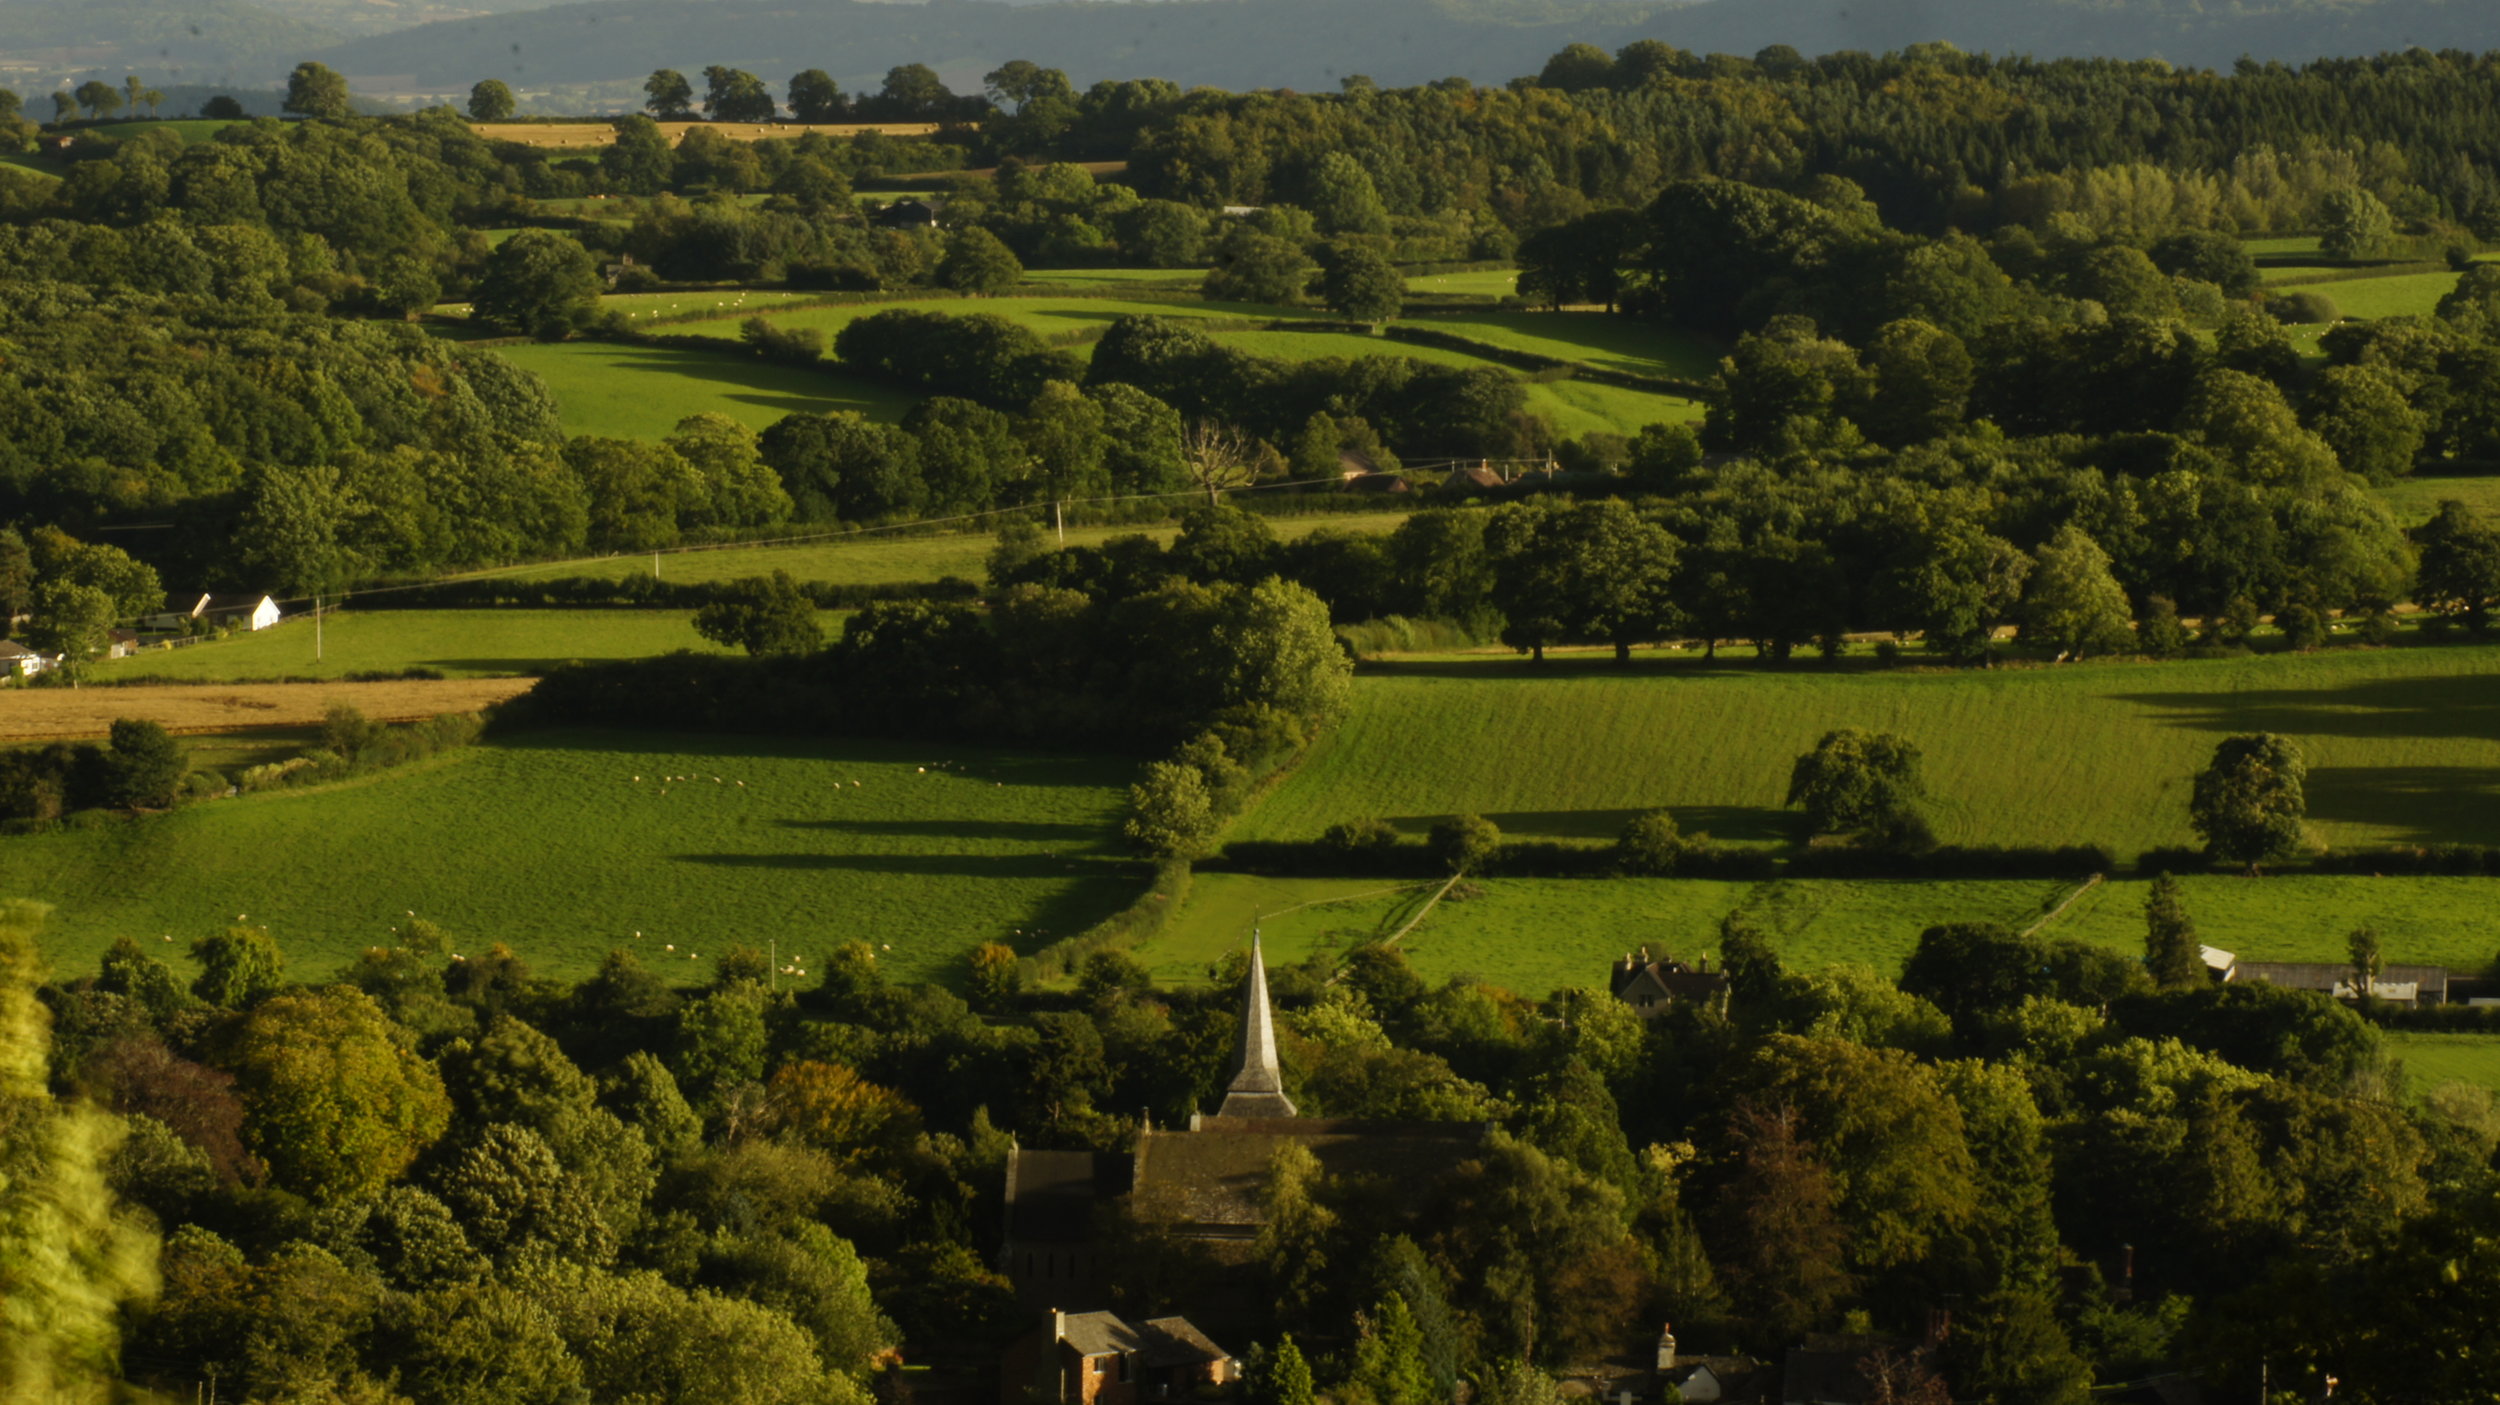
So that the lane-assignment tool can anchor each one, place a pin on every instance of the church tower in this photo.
(1258, 1088)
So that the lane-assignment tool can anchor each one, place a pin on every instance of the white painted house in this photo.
(251, 611)
(17, 659)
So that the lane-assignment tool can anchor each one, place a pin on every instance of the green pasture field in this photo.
(1590, 338)
(2415, 500)
(456, 643)
(1490, 284)
(1575, 407)
(192, 130)
(2284, 246)
(2398, 295)
(641, 392)
(2433, 1059)
(1536, 936)
(1049, 317)
(2403, 744)
(866, 559)
(1059, 278)
(699, 302)
(546, 842)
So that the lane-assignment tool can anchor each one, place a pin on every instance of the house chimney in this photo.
(1666, 1346)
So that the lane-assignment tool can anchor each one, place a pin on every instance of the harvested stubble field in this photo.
(579, 136)
(2403, 744)
(867, 559)
(1540, 935)
(47, 714)
(548, 843)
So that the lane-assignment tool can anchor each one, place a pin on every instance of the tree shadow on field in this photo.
(916, 865)
(2420, 804)
(1600, 663)
(1733, 823)
(1026, 831)
(2397, 707)
(948, 761)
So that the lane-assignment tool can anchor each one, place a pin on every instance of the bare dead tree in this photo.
(1219, 456)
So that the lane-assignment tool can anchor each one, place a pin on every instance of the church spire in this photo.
(1258, 1088)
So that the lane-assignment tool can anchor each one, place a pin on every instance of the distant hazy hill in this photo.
(199, 40)
(1229, 43)
(1310, 43)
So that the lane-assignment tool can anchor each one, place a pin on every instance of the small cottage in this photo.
(1095, 1358)
(909, 214)
(1652, 988)
(19, 661)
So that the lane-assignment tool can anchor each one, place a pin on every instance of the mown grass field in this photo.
(2433, 1059)
(2403, 744)
(2414, 500)
(1591, 338)
(1050, 316)
(1574, 407)
(1488, 283)
(641, 392)
(869, 559)
(700, 302)
(547, 843)
(1539, 935)
(455, 643)
(2397, 295)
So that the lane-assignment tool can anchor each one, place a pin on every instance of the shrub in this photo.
(1651, 845)
(2159, 635)
(2303, 307)
(1357, 837)
(1464, 842)
(2303, 628)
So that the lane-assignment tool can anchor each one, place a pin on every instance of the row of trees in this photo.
(912, 92)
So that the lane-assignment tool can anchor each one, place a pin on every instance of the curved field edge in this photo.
(546, 842)
(2403, 745)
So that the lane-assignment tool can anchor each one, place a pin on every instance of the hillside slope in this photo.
(1311, 43)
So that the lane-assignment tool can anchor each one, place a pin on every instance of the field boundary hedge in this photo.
(1558, 859)
(638, 593)
(1130, 927)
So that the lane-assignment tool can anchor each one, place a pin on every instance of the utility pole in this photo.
(1059, 519)
(316, 626)
(655, 563)
(772, 962)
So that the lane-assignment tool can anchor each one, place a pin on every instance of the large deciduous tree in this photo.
(764, 615)
(337, 1102)
(541, 283)
(315, 90)
(2249, 803)
(491, 100)
(2074, 604)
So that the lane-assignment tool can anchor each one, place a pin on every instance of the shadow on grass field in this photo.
(2403, 743)
(565, 844)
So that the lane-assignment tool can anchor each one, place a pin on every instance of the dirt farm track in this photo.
(46, 714)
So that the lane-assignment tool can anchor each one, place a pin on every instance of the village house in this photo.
(20, 661)
(2401, 985)
(909, 214)
(1095, 1358)
(1652, 988)
(249, 611)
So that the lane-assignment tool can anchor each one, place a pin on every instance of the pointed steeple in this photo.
(1258, 1087)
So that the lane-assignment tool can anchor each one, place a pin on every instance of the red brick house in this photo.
(1095, 1358)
